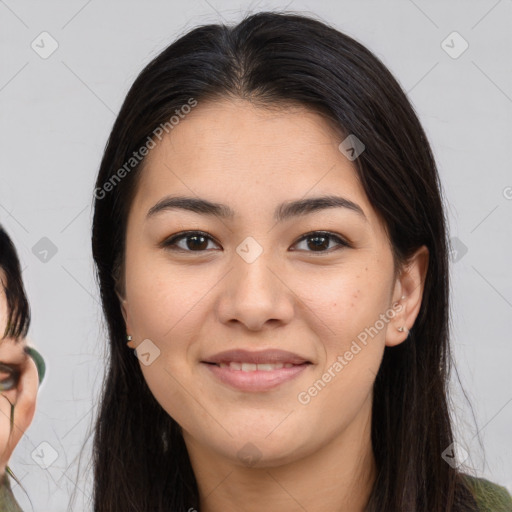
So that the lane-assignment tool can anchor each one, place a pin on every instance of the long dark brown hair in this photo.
(273, 59)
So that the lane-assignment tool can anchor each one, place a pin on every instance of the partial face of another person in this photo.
(255, 275)
(18, 385)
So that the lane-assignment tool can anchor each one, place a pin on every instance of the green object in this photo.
(38, 359)
(8, 502)
(490, 497)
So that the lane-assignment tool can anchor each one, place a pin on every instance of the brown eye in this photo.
(320, 242)
(194, 241)
(9, 376)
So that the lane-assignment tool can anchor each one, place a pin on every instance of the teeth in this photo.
(269, 367)
(251, 367)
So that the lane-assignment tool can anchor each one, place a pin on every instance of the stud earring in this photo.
(128, 338)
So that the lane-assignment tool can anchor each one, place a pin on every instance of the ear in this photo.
(125, 311)
(123, 303)
(407, 296)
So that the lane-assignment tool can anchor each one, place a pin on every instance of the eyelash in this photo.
(170, 243)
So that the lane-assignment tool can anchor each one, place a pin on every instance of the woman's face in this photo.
(254, 284)
(18, 385)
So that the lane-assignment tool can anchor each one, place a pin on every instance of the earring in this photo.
(128, 338)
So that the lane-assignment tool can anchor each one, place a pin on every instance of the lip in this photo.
(257, 380)
(256, 357)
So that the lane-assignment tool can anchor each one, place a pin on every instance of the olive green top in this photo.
(8, 502)
(490, 497)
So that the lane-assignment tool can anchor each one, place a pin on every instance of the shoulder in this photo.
(490, 497)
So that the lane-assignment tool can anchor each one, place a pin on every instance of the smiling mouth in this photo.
(255, 371)
(255, 377)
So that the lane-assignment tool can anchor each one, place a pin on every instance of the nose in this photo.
(255, 294)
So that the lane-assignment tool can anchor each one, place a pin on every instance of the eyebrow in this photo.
(283, 212)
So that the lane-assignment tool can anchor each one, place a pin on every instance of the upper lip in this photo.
(272, 356)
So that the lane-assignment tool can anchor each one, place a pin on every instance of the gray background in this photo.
(56, 114)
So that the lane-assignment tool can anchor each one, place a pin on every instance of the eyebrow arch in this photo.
(283, 212)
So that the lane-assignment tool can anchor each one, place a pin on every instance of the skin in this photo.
(191, 305)
(23, 395)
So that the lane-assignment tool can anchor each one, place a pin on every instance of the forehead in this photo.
(251, 157)
(237, 130)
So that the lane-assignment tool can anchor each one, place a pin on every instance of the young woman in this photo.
(20, 375)
(269, 236)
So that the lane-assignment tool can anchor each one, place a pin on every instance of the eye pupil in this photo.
(194, 245)
(319, 242)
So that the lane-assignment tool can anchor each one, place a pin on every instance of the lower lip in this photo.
(258, 380)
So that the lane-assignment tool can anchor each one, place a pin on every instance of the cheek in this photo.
(344, 304)
(347, 314)
(161, 306)
(167, 307)
(161, 299)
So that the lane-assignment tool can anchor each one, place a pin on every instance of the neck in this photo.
(339, 476)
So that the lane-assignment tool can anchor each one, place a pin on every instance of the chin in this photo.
(258, 452)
